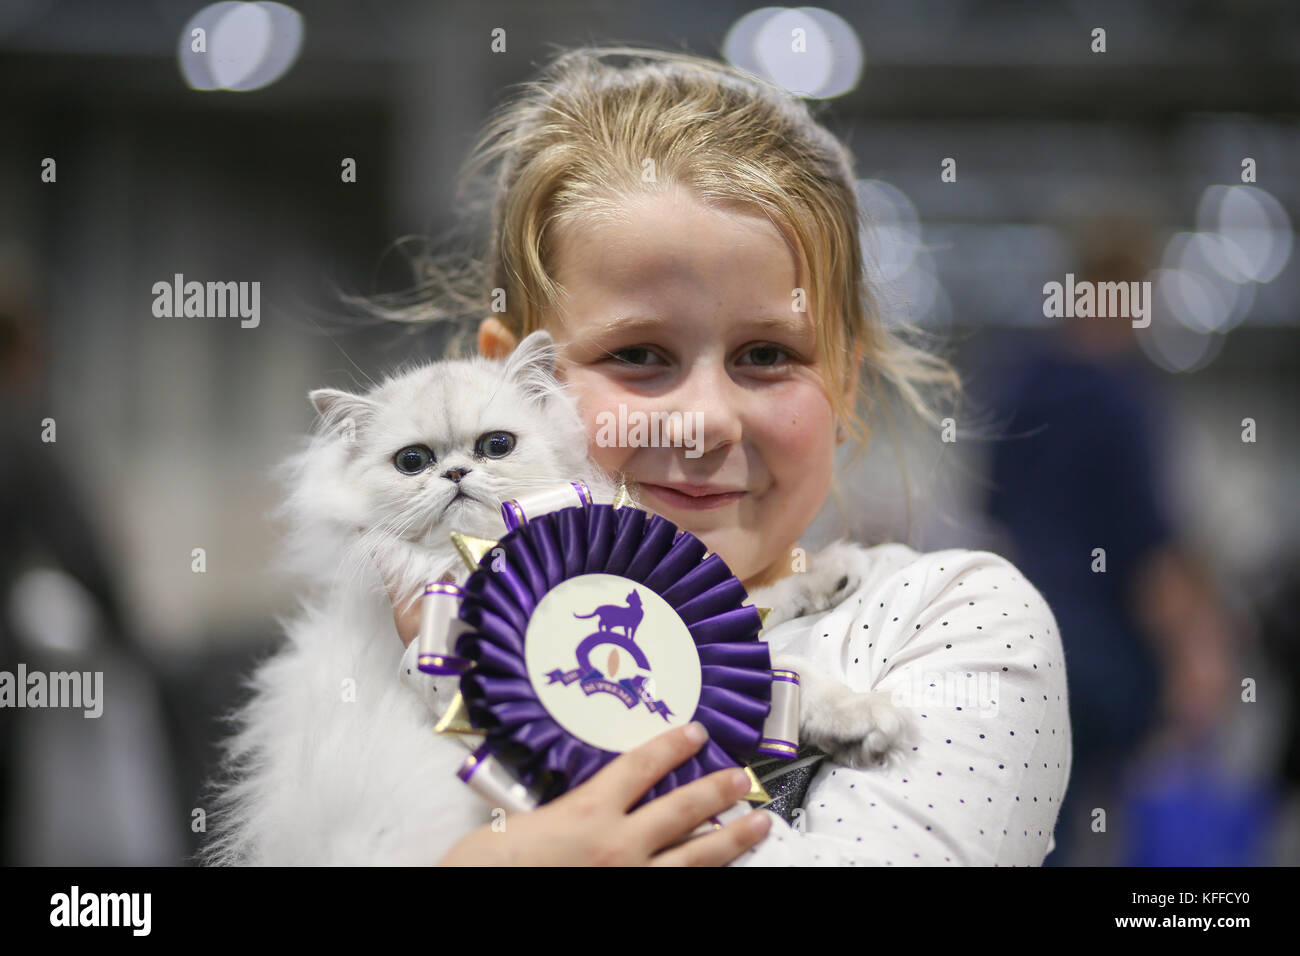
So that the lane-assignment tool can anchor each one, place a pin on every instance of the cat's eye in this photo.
(495, 444)
(413, 459)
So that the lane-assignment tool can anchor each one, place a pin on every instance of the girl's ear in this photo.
(336, 408)
(532, 365)
(495, 340)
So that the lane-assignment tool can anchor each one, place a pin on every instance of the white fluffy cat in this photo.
(437, 448)
(373, 494)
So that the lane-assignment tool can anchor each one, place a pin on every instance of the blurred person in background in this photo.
(61, 803)
(1277, 599)
(1079, 468)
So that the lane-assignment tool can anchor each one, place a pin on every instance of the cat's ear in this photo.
(336, 408)
(531, 365)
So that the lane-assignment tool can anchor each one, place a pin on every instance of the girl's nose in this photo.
(711, 398)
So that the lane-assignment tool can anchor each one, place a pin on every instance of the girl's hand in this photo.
(590, 825)
(408, 623)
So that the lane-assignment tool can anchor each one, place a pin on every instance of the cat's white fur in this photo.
(331, 759)
(349, 508)
(855, 729)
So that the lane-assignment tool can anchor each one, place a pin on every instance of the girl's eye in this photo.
(762, 356)
(495, 444)
(413, 459)
(768, 355)
(638, 353)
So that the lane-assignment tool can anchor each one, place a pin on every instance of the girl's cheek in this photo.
(612, 459)
(597, 404)
(801, 422)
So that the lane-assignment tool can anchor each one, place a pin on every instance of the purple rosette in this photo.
(731, 695)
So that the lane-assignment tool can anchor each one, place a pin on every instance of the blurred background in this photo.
(136, 448)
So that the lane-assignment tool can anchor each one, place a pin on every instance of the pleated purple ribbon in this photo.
(499, 599)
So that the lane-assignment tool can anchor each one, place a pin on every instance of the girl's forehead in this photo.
(793, 325)
(673, 235)
(640, 286)
(674, 265)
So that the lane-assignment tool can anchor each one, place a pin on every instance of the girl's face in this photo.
(687, 309)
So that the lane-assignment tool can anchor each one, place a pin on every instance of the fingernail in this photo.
(759, 821)
(696, 732)
(739, 780)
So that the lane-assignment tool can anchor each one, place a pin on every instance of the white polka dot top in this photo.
(969, 651)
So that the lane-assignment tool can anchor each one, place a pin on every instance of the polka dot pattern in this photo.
(969, 652)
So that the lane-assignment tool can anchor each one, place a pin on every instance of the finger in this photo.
(406, 613)
(721, 846)
(671, 817)
(626, 778)
(407, 619)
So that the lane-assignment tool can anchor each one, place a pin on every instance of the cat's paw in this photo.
(862, 729)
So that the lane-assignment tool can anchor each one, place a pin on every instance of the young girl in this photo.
(690, 237)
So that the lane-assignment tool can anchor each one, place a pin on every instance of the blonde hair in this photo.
(573, 144)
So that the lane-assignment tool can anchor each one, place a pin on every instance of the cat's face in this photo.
(438, 448)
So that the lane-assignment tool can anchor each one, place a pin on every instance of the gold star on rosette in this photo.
(456, 720)
(621, 497)
(471, 549)
(756, 792)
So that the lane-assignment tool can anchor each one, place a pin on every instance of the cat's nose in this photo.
(455, 474)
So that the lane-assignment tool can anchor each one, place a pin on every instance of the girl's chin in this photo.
(721, 541)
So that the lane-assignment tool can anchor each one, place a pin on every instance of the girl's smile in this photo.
(698, 498)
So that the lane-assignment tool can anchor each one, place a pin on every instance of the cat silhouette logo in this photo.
(629, 617)
(628, 651)
(630, 690)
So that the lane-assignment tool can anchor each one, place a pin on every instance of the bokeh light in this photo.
(807, 50)
(247, 46)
